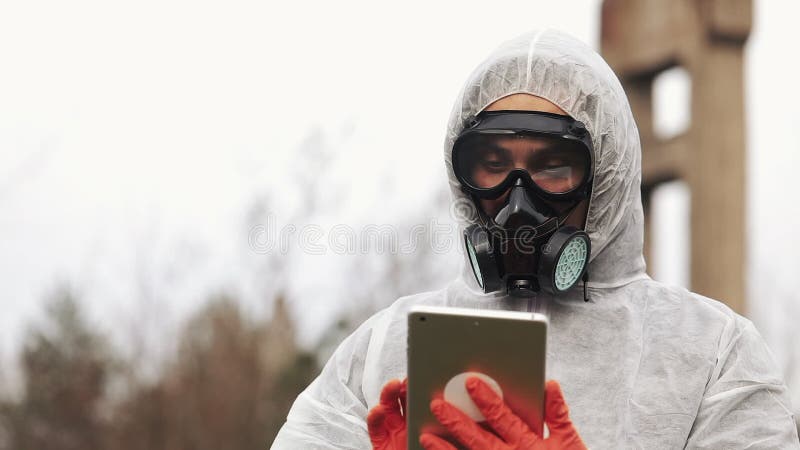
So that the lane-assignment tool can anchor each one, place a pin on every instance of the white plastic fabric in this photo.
(642, 364)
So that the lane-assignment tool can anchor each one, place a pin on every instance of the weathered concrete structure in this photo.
(642, 38)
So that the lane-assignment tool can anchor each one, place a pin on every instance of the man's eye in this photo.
(493, 164)
(557, 171)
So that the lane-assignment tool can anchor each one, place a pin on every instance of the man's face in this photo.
(521, 152)
(554, 167)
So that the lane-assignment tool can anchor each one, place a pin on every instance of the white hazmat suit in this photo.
(641, 364)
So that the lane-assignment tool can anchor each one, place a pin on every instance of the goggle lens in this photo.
(555, 165)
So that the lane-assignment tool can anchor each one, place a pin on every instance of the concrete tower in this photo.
(642, 38)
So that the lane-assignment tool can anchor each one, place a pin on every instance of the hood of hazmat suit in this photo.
(641, 364)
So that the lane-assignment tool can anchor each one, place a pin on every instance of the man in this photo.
(641, 364)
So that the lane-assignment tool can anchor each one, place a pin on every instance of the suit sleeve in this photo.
(746, 404)
(331, 412)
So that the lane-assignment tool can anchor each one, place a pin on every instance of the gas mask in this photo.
(526, 172)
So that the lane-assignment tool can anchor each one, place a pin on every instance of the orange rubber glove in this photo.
(386, 422)
(510, 432)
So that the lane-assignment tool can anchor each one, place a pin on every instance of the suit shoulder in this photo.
(681, 299)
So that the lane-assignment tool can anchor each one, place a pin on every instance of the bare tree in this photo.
(65, 365)
(229, 386)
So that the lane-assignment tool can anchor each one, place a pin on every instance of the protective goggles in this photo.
(552, 154)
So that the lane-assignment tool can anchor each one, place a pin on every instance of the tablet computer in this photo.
(446, 345)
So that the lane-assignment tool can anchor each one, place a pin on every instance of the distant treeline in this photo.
(228, 385)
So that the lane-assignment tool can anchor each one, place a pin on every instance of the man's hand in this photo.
(386, 422)
(510, 432)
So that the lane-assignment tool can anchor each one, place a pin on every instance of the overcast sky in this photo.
(135, 136)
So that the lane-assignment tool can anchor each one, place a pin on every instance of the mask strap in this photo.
(569, 212)
(585, 280)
